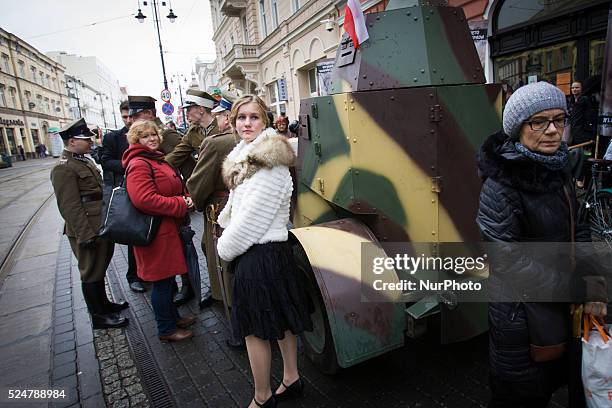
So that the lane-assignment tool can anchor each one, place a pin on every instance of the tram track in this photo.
(6, 262)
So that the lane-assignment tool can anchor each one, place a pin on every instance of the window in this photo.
(22, 69)
(262, 16)
(5, 63)
(47, 82)
(39, 102)
(33, 69)
(10, 135)
(276, 106)
(2, 96)
(295, 5)
(47, 107)
(42, 77)
(13, 94)
(35, 137)
(28, 98)
(312, 82)
(519, 12)
(274, 10)
(245, 31)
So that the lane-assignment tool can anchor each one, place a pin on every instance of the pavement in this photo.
(46, 339)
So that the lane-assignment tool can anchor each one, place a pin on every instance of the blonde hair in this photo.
(138, 128)
(261, 106)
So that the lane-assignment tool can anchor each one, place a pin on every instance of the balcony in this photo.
(233, 8)
(241, 62)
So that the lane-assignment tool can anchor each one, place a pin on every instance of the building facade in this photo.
(102, 108)
(280, 50)
(33, 99)
(284, 50)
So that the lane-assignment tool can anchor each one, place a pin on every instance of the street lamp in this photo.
(171, 16)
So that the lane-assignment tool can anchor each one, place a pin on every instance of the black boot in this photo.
(109, 306)
(186, 293)
(101, 318)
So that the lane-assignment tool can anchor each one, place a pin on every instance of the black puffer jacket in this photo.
(521, 201)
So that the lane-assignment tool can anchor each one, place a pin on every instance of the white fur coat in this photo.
(257, 209)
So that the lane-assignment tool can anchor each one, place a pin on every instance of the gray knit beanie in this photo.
(529, 100)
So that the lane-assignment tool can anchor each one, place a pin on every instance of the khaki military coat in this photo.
(185, 154)
(207, 188)
(170, 137)
(78, 190)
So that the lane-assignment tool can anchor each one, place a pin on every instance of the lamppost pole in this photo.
(178, 80)
(161, 51)
(102, 106)
(171, 16)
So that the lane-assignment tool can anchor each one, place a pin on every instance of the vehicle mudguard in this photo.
(361, 329)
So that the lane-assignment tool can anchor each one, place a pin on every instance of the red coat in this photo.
(164, 257)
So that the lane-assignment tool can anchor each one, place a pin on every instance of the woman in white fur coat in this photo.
(269, 297)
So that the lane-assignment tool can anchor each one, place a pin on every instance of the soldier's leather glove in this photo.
(88, 244)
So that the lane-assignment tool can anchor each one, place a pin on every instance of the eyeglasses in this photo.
(541, 124)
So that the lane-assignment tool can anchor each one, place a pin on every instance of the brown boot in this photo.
(185, 322)
(178, 335)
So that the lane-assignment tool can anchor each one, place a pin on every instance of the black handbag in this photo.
(124, 224)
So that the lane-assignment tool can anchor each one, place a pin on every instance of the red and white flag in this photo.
(354, 22)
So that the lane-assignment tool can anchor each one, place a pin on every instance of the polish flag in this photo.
(354, 22)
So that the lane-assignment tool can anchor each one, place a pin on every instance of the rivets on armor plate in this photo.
(371, 83)
(356, 172)
(416, 19)
(364, 76)
(377, 18)
(415, 79)
(408, 13)
(434, 70)
(392, 98)
(433, 200)
(433, 232)
(422, 71)
(354, 140)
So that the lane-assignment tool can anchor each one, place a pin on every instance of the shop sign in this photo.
(479, 34)
(11, 122)
(282, 90)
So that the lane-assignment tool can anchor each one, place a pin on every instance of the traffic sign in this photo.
(168, 108)
(166, 95)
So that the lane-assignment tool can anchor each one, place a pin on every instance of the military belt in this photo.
(91, 197)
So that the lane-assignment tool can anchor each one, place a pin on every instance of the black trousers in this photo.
(131, 274)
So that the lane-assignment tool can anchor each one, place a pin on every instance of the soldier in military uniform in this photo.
(209, 192)
(78, 189)
(143, 107)
(198, 105)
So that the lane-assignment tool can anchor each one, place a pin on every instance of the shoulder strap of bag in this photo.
(124, 182)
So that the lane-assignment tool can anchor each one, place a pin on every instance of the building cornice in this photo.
(219, 29)
(29, 114)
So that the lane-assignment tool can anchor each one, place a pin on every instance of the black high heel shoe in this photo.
(292, 391)
(269, 403)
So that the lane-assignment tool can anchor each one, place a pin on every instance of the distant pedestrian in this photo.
(21, 152)
(78, 189)
(154, 187)
(42, 151)
(270, 302)
(282, 126)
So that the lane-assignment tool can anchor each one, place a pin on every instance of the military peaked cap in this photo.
(140, 103)
(195, 97)
(77, 129)
(225, 103)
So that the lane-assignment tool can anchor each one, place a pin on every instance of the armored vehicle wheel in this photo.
(319, 343)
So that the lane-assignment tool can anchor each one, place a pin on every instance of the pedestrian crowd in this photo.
(234, 165)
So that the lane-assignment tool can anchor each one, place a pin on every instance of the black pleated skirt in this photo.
(269, 294)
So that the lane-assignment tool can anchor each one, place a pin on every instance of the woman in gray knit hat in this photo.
(528, 196)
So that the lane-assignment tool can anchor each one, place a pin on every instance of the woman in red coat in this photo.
(155, 188)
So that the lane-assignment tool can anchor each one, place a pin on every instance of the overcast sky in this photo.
(129, 49)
